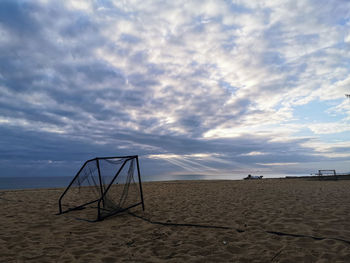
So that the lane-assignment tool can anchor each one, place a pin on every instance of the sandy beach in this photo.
(272, 220)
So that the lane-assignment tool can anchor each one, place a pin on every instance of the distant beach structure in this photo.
(252, 177)
(327, 173)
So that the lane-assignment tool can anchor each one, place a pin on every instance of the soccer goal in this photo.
(103, 186)
(331, 174)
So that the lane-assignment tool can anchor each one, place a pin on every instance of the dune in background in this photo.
(272, 220)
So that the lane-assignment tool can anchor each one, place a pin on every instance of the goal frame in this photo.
(104, 192)
(327, 174)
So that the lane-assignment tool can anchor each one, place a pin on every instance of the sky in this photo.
(192, 87)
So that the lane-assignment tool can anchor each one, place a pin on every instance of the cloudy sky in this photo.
(193, 87)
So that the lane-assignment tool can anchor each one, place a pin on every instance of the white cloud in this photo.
(329, 149)
(329, 128)
(254, 153)
(82, 5)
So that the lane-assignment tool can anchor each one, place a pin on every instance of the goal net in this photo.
(103, 187)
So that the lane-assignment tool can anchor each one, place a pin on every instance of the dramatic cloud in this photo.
(205, 87)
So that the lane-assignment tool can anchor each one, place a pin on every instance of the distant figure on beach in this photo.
(252, 177)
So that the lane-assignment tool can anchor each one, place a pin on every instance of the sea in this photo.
(63, 181)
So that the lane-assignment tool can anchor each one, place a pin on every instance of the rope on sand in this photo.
(182, 224)
(238, 230)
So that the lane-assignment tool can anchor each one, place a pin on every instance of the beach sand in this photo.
(272, 220)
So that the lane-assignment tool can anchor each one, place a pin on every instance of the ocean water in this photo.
(34, 182)
(63, 181)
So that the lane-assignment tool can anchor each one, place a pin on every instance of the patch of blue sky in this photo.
(335, 137)
(233, 8)
(329, 138)
(229, 28)
(305, 132)
(228, 87)
(305, 39)
(241, 9)
(343, 21)
(317, 112)
(275, 60)
(229, 45)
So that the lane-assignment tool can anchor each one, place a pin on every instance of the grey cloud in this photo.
(78, 26)
(141, 80)
(16, 16)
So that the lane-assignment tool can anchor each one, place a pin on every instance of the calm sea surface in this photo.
(63, 181)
